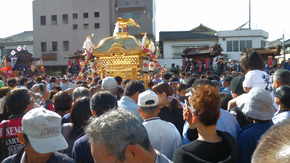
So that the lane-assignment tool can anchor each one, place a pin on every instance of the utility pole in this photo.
(249, 14)
(284, 46)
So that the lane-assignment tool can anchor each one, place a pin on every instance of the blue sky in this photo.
(179, 15)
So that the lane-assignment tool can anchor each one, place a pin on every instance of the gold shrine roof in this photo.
(127, 42)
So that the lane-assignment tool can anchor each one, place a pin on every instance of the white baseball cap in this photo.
(109, 83)
(43, 129)
(147, 99)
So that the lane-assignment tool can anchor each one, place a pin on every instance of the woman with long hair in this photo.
(79, 116)
(171, 110)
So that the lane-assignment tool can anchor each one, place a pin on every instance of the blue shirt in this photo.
(248, 139)
(227, 90)
(154, 81)
(65, 86)
(130, 105)
(227, 122)
(286, 66)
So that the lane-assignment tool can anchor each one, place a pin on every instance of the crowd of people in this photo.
(200, 117)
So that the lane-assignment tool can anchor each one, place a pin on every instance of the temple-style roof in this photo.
(205, 52)
(24, 37)
(200, 32)
(184, 35)
(127, 43)
(265, 52)
(24, 58)
(204, 29)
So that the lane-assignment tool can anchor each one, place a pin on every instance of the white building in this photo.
(12, 42)
(173, 43)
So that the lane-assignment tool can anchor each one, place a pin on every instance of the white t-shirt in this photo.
(163, 136)
(258, 78)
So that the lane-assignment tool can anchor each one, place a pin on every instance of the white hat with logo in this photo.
(43, 129)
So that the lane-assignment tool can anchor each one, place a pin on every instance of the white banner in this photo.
(91, 68)
(145, 65)
(151, 66)
(13, 61)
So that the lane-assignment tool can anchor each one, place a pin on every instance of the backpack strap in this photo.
(66, 132)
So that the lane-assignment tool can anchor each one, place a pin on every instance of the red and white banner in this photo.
(7, 71)
(207, 63)
(270, 61)
(145, 65)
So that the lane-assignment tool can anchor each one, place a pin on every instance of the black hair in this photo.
(30, 84)
(125, 81)
(199, 82)
(134, 86)
(228, 79)
(118, 79)
(151, 109)
(180, 87)
(23, 80)
(225, 98)
(52, 80)
(120, 90)
(11, 82)
(189, 81)
(58, 88)
(96, 80)
(103, 101)
(17, 101)
(62, 102)
(167, 76)
(211, 77)
(252, 60)
(80, 113)
(100, 82)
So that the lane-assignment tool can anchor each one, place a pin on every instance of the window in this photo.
(54, 46)
(43, 46)
(65, 46)
(86, 26)
(53, 19)
(242, 45)
(75, 16)
(127, 3)
(75, 27)
(65, 19)
(178, 51)
(7, 52)
(263, 44)
(235, 46)
(229, 46)
(97, 14)
(238, 46)
(127, 15)
(136, 15)
(136, 2)
(42, 20)
(97, 25)
(86, 15)
(249, 43)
